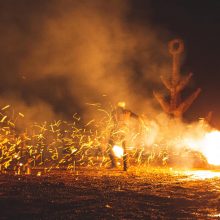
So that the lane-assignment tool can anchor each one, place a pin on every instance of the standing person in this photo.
(120, 132)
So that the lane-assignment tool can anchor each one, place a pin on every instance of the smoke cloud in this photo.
(64, 54)
(56, 56)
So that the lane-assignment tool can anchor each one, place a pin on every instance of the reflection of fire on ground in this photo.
(201, 174)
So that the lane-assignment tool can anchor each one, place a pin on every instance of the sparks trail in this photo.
(62, 144)
(160, 141)
(50, 145)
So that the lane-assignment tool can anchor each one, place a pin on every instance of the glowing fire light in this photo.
(118, 151)
(202, 174)
(211, 147)
(208, 145)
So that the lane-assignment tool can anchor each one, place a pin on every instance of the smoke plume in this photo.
(64, 54)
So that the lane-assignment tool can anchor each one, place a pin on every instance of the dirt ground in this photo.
(109, 194)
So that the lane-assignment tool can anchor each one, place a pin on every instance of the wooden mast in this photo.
(175, 107)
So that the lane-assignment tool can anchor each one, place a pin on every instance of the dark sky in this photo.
(22, 24)
(198, 24)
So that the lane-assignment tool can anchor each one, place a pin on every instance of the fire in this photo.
(118, 151)
(57, 144)
(211, 147)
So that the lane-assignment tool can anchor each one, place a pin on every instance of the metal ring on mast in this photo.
(176, 46)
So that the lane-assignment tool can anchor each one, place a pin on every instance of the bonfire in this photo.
(164, 141)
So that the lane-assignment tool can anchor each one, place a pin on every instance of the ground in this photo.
(149, 193)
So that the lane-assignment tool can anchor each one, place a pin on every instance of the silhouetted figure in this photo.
(121, 119)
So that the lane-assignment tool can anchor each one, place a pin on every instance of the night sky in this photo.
(22, 25)
(198, 24)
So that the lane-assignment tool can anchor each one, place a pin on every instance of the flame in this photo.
(208, 145)
(118, 151)
(211, 147)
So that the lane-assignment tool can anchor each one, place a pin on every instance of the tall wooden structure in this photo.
(175, 84)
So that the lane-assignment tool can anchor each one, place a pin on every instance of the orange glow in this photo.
(202, 174)
(208, 145)
(211, 147)
(118, 151)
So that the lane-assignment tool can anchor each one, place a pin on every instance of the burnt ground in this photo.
(108, 194)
